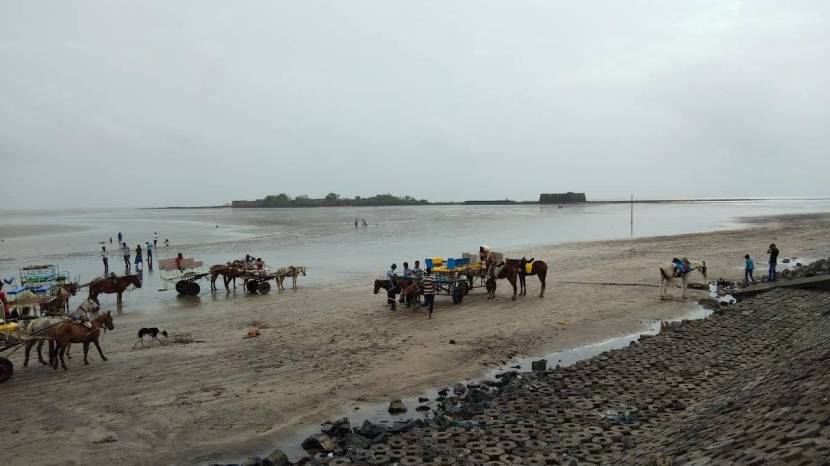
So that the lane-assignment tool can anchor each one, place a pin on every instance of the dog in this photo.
(152, 332)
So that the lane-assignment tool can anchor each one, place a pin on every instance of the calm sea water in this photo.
(326, 241)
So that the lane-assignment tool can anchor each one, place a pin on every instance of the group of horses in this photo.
(238, 269)
(62, 331)
(515, 271)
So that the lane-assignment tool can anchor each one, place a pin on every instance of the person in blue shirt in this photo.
(748, 269)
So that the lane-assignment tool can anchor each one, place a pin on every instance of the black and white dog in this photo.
(152, 332)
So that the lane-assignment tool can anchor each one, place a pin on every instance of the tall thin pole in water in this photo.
(632, 215)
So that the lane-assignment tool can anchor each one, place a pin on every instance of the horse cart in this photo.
(457, 277)
(256, 280)
(40, 289)
(10, 339)
(183, 275)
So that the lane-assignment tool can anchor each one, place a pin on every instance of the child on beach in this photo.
(749, 267)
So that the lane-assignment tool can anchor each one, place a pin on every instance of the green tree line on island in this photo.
(331, 200)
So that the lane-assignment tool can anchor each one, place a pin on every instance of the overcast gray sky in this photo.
(202, 102)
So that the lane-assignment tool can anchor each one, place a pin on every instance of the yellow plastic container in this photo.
(437, 261)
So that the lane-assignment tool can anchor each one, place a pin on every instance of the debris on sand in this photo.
(252, 332)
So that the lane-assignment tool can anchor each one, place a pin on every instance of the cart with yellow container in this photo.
(457, 277)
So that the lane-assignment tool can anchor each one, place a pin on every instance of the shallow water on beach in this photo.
(325, 240)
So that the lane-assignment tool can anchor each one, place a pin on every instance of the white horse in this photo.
(668, 272)
(290, 271)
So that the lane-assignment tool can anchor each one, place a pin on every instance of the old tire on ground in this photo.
(6, 369)
(252, 286)
(457, 295)
(193, 288)
(264, 287)
(181, 287)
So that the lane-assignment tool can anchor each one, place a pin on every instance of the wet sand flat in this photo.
(322, 349)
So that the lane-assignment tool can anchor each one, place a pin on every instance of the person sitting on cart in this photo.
(407, 272)
(417, 273)
(485, 255)
(180, 262)
(259, 264)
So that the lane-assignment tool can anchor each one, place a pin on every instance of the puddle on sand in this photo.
(378, 412)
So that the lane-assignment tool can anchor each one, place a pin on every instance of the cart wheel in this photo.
(264, 287)
(193, 288)
(465, 288)
(457, 295)
(252, 286)
(181, 287)
(6, 369)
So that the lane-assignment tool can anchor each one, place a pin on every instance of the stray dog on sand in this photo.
(152, 332)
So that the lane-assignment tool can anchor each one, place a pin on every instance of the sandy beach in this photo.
(323, 349)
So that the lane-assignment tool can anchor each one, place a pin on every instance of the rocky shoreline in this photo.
(748, 385)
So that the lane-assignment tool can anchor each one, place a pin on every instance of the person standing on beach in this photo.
(125, 251)
(4, 302)
(139, 261)
(390, 292)
(355, 222)
(120, 238)
(773, 261)
(155, 240)
(428, 289)
(105, 259)
(110, 239)
(149, 255)
(748, 269)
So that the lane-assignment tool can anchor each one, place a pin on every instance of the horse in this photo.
(88, 310)
(499, 271)
(109, 285)
(67, 332)
(668, 272)
(293, 272)
(229, 271)
(391, 288)
(410, 291)
(66, 291)
(538, 268)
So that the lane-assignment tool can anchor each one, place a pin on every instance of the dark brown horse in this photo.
(69, 332)
(497, 272)
(391, 288)
(109, 285)
(538, 268)
(229, 271)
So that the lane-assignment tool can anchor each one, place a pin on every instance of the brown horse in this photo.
(538, 268)
(109, 285)
(391, 288)
(229, 271)
(69, 332)
(499, 271)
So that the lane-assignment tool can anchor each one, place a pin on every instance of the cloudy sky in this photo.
(200, 102)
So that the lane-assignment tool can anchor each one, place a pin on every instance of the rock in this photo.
(786, 261)
(452, 342)
(336, 428)
(353, 440)
(628, 442)
(422, 408)
(276, 458)
(459, 389)
(318, 443)
(397, 407)
(423, 399)
(539, 366)
(678, 405)
(251, 461)
(370, 430)
(106, 439)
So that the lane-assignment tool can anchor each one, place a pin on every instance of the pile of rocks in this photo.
(746, 386)
(819, 267)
